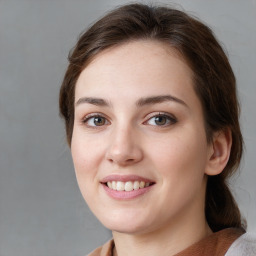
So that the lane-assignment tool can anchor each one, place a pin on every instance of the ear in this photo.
(219, 151)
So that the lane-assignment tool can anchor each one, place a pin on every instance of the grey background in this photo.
(41, 209)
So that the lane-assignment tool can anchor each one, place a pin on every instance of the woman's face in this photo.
(139, 145)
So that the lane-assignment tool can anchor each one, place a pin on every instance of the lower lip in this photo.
(125, 195)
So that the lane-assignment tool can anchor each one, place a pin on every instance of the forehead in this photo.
(145, 66)
(138, 50)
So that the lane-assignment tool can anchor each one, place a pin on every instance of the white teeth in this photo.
(120, 186)
(114, 185)
(136, 185)
(127, 186)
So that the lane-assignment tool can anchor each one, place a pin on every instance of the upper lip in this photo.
(125, 178)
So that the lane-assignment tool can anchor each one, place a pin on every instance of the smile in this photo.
(127, 186)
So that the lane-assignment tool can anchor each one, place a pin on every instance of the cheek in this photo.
(84, 169)
(181, 158)
(180, 172)
(85, 159)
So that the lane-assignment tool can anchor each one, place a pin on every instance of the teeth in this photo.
(136, 185)
(127, 186)
(114, 185)
(120, 186)
(109, 184)
(142, 184)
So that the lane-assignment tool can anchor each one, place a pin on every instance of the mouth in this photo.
(128, 185)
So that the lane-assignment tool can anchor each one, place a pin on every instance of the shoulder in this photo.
(105, 250)
(245, 245)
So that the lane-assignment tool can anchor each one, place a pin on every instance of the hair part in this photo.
(214, 83)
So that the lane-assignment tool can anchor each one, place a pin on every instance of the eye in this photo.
(95, 120)
(161, 120)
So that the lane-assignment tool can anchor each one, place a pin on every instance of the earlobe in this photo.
(219, 151)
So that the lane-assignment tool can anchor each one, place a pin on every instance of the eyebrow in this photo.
(159, 99)
(140, 103)
(94, 101)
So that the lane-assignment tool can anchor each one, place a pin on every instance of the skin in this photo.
(130, 141)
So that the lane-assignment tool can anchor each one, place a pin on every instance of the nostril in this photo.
(123, 154)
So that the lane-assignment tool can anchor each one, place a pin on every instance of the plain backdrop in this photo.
(41, 210)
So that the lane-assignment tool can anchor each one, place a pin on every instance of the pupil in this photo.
(161, 120)
(99, 121)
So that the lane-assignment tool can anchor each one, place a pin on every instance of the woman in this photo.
(151, 113)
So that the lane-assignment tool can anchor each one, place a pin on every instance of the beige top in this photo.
(215, 244)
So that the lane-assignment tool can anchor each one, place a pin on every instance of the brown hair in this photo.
(214, 83)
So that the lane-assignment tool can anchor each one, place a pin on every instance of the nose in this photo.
(124, 147)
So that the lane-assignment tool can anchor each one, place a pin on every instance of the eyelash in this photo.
(169, 118)
(89, 117)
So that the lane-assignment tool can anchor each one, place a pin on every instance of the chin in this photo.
(126, 229)
(126, 224)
